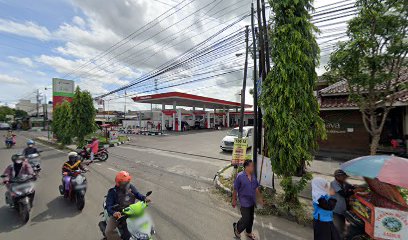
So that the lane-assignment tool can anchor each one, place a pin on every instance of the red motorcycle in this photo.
(102, 154)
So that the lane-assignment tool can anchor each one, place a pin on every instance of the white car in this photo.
(227, 143)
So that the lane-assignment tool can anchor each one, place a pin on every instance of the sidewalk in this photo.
(307, 192)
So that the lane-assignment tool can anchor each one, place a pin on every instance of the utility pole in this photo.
(255, 135)
(38, 102)
(265, 32)
(262, 71)
(241, 123)
(124, 114)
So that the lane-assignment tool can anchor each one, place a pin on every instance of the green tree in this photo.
(372, 60)
(83, 115)
(291, 110)
(20, 113)
(4, 110)
(61, 124)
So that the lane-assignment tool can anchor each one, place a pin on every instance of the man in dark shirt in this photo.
(246, 186)
(123, 194)
(343, 191)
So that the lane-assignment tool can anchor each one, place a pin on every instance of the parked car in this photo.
(5, 126)
(227, 143)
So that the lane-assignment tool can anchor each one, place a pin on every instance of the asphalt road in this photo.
(184, 206)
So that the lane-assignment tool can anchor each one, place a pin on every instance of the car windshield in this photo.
(234, 133)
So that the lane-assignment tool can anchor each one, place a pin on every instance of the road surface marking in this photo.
(98, 164)
(112, 169)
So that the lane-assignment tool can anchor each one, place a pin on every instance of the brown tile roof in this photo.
(341, 87)
(336, 95)
(337, 103)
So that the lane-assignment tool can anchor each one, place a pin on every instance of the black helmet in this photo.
(17, 156)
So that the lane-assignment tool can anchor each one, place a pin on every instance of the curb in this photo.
(218, 184)
(116, 144)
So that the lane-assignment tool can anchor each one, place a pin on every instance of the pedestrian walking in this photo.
(246, 186)
(323, 204)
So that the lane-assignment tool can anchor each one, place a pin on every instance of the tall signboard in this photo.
(62, 90)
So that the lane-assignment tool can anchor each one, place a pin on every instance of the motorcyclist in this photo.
(30, 149)
(19, 168)
(123, 194)
(70, 166)
(10, 135)
(94, 146)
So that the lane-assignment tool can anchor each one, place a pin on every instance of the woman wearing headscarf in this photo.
(323, 204)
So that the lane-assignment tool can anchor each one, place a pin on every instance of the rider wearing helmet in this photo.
(123, 194)
(19, 168)
(70, 166)
(30, 149)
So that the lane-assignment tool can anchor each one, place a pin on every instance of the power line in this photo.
(130, 37)
(146, 48)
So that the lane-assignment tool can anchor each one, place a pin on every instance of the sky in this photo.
(44, 39)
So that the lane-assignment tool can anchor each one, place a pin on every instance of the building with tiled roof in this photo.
(345, 129)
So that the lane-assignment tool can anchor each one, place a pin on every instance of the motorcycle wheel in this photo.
(80, 201)
(24, 212)
(103, 156)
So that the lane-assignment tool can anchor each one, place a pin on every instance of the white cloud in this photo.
(24, 61)
(26, 29)
(78, 21)
(6, 79)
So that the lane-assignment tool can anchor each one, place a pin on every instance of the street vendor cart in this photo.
(381, 212)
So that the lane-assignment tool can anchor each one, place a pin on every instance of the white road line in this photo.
(98, 164)
(112, 169)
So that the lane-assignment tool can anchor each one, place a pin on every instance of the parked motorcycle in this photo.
(20, 195)
(77, 188)
(9, 142)
(102, 154)
(135, 223)
(35, 162)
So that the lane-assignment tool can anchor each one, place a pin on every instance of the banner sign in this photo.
(239, 151)
(113, 136)
(264, 170)
(62, 90)
(390, 224)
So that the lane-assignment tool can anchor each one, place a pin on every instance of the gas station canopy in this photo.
(187, 100)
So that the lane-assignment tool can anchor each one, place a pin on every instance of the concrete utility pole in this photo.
(241, 123)
(38, 102)
(255, 133)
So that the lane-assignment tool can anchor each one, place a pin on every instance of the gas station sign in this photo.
(62, 90)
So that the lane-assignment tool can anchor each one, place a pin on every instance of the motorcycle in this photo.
(20, 195)
(35, 162)
(77, 188)
(102, 154)
(134, 224)
(9, 142)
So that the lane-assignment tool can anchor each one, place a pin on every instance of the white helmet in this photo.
(72, 154)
